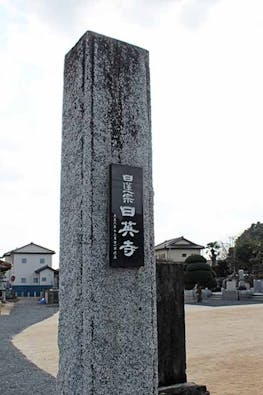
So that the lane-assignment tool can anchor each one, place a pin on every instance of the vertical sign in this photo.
(126, 216)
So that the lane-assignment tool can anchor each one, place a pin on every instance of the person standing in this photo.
(198, 293)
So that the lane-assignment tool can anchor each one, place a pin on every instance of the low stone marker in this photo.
(231, 285)
(258, 286)
(107, 325)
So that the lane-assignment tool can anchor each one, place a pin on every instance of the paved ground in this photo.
(17, 374)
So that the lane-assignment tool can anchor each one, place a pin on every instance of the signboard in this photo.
(126, 216)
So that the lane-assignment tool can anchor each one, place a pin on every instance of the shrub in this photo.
(195, 258)
(199, 273)
(192, 267)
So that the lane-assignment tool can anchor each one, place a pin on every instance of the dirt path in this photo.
(39, 344)
(225, 349)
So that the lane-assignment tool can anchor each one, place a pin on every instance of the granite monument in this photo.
(107, 325)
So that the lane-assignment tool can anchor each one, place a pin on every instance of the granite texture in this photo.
(107, 326)
(171, 323)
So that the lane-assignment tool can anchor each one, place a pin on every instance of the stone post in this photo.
(171, 332)
(107, 325)
(170, 323)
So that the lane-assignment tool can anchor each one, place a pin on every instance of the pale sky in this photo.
(206, 64)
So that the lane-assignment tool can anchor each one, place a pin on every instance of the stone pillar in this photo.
(171, 332)
(171, 323)
(107, 325)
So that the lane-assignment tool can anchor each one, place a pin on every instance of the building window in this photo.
(184, 255)
(44, 279)
(23, 280)
(161, 256)
(23, 260)
(42, 260)
(35, 280)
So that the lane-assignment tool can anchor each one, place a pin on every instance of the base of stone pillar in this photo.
(184, 389)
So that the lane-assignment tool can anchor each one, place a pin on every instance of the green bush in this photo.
(195, 258)
(192, 267)
(199, 273)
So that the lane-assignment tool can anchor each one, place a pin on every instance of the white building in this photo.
(177, 250)
(31, 271)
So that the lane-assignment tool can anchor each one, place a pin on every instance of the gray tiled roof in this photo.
(17, 250)
(44, 268)
(178, 243)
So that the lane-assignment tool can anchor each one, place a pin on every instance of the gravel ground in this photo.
(17, 374)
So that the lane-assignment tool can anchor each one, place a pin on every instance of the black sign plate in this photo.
(126, 216)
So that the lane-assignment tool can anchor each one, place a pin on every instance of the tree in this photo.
(197, 271)
(222, 268)
(213, 249)
(217, 250)
(248, 250)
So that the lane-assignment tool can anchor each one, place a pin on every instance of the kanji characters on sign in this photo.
(126, 248)
(128, 228)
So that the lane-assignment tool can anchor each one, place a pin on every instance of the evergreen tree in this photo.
(248, 250)
(197, 271)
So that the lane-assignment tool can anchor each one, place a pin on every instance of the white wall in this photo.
(27, 270)
(161, 254)
(49, 275)
(176, 255)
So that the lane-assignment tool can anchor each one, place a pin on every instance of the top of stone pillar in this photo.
(99, 36)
